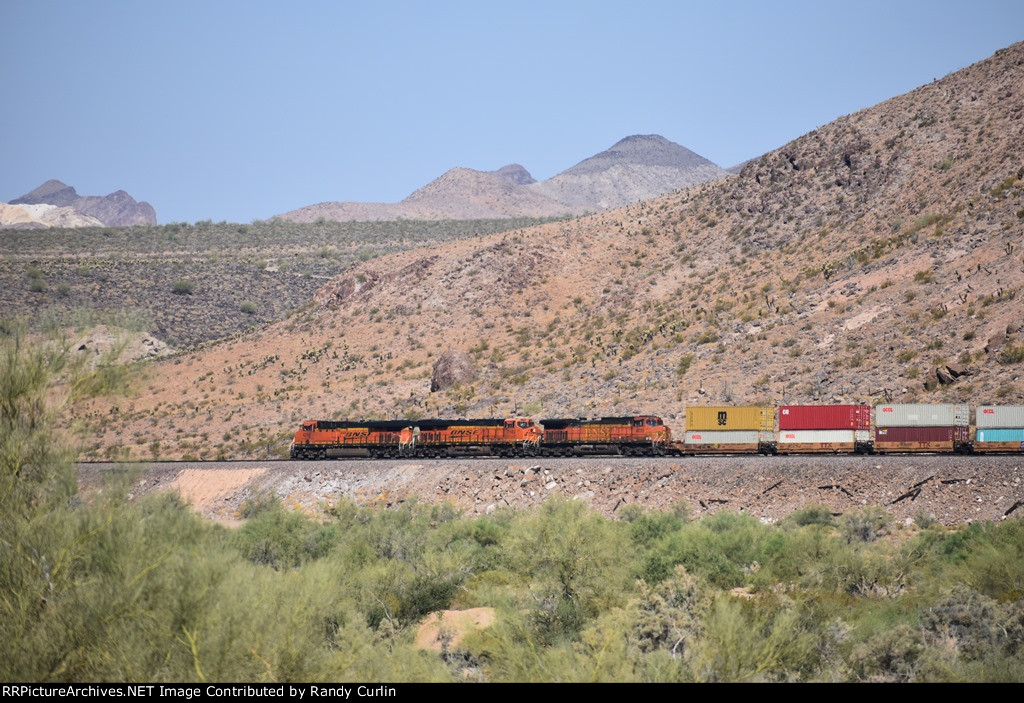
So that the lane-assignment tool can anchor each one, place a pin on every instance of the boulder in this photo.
(453, 368)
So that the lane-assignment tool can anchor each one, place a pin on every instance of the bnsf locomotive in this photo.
(788, 429)
(517, 436)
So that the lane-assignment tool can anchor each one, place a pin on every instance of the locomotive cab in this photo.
(303, 438)
(522, 430)
(652, 428)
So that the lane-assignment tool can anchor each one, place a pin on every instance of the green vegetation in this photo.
(685, 361)
(104, 587)
(1012, 354)
(183, 287)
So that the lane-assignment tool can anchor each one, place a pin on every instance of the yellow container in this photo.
(731, 417)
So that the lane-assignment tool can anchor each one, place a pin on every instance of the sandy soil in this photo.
(447, 628)
(210, 491)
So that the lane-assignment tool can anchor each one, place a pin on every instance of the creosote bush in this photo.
(183, 287)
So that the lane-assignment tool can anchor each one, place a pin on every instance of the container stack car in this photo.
(922, 428)
(1000, 428)
(746, 429)
(829, 429)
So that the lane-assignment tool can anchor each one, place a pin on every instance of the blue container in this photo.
(990, 435)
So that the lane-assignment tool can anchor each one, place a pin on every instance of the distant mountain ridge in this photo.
(633, 169)
(117, 209)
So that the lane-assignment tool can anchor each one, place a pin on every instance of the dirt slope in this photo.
(952, 490)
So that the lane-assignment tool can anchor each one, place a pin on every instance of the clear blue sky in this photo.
(241, 110)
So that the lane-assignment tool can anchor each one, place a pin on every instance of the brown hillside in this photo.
(846, 265)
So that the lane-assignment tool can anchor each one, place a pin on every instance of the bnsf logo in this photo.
(988, 411)
(887, 410)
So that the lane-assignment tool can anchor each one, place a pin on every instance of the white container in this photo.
(817, 436)
(946, 415)
(1000, 416)
(722, 437)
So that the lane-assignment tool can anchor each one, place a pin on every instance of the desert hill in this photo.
(635, 168)
(463, 193)
(876, 258)
(118, 209)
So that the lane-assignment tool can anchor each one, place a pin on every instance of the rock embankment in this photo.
(952, 490)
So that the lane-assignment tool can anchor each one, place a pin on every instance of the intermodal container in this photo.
(1008, 416)
(722, 437)
(817, 437)
(731, 417)
(917, 415)
(999, 440)
(820, 441)
(824, 417)
(999, 435)
(920, 439)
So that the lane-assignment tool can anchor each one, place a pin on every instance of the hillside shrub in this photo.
(183, 287)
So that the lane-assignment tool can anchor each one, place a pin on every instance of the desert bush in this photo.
(1012, 354)
(866, 525)
(888, 656)
(813, 515)
(183, 287)
(575, 562)
(283, 539)
(669, 615)
(718, 548)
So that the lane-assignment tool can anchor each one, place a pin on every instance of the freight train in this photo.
(787, 429)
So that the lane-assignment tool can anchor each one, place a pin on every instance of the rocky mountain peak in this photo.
(119, 209)
(53, 192)
(515, 173)
(648, 150)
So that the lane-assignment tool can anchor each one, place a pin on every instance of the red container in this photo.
(824, 417)
(921, 434)
(920, 439)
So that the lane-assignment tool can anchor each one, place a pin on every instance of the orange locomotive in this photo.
(641, 435)
(518, 436)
